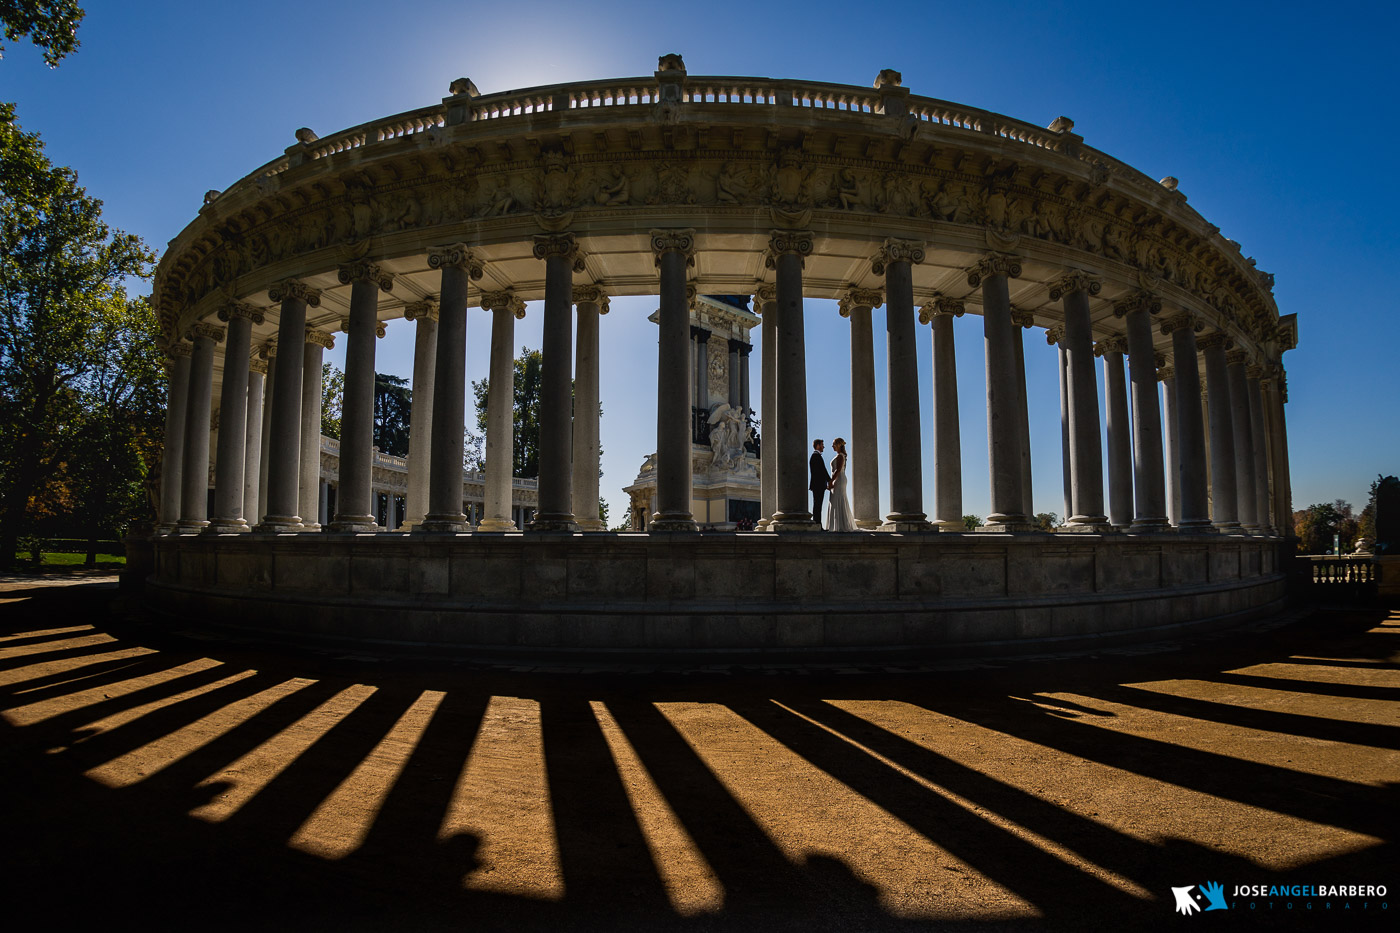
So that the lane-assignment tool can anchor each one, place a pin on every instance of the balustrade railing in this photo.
(1346, 578)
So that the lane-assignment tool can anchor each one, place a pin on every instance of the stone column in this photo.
(505, 310)
(1149, 484)
(591, 302)
(194, 493)
(1024, 321)
(1244, 442)
(231, 455)
(895, 262)
(284, 441)
(744, 350)
(1189, 444)
(173, 455)
(734, 399)
(1056, 335)
(561, 260)
(1222, 435)
(309, 486)
(252, 440)
(947, 440)
(420, 422)
(354, 501)
(787, 252)
(1171, 455)
(1276, 396)
(766, 303)
(1261, 451)
(675, 252)
(269, 393)
(1085, 447)
(1004, 398)
(446, 445)
(1120, 442)
(864, 449)
(700, 337)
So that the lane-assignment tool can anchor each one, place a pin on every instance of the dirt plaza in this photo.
(183, 781)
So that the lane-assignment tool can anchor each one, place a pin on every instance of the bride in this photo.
(838, 510)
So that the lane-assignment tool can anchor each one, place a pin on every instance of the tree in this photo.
(332, 399)
(1047, 521)
(61, 274)
(393, 411)
(972, 522)
(1318, 524)
(52, 25)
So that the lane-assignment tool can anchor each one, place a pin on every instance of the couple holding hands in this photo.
(838, 512)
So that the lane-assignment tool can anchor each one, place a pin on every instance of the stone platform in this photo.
(726, 596)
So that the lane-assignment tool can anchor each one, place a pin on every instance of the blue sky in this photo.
(1279, 119)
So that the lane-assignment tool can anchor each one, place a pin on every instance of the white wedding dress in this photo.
(838, 510)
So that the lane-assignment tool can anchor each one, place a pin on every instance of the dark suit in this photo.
(820, 479)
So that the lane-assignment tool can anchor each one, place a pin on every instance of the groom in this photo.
(821, 479)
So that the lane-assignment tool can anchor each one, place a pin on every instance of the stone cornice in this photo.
(425, 310)
(362, 270)
(297, 290)
(592, 294)
(991, 264)
(504, 300)
(893, 251)
(941, 304)
(1074, 281)
(561, 245)
(204, 329)
(674, 241)
(239, 309)
(457, 256)
(859, 298)
(321, 338)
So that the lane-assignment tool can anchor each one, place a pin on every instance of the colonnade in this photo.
(1162, 471)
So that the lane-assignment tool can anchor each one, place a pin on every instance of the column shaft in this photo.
(744, 378)
(673, 403)
(902, 391)
(1086, 448)
(500, 422)
(309, 484)
(1064, 429)
(947, 451)
(793, 513)
(1190, 440)
(1222, 441)
(284, 447)
(1282, 486)
(252, 442)
(1149, 480)
(1120, 442)
(1171, 455)
(1018, 344)
(556, 405)
(173, 456)
(1261, 454)
(864, 466)
(420, 424)
(269, 392)
(701, 393)
(354, 505)
(447, 446)
(768, 438)
(586, 403)
(1004, 404)
(734, 399)
(194, 494)
(233, 426)
(1244, 442)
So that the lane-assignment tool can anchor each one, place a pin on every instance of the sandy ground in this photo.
(151, 776)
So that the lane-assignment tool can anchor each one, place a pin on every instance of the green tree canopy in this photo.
(52, 25)
(1047, 521)
(972, 522)
(61, 285)
(1317, 525)
(393, 410)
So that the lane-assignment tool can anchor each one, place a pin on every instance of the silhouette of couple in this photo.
(838, 511)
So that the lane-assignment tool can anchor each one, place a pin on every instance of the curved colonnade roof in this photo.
(734, 159)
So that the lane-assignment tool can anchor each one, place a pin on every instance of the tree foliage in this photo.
(62, 304)
(332, 399)
(393, 411)
(1317, 525)
(972, 522)
(1047, 521)
(52, 25)
(525, 413)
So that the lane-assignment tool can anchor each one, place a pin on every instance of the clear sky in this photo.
(1279, 119)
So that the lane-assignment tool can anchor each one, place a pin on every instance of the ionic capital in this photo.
(1142, 301)
(785, 242)
(1053, 335)
(1159, 360)
(1183, 320)
(1165, 372)
(1236, 357)
(256, 365)
(425, 310)
(1215, 339)
(242, 310)
(504, 300)
(204, 329)
(1074, 281)
(1255, 372)
(764, 294)
(362, 270)
(941, 304)
(1025, 318)
(565, 245)
(321, 338)
(1113, 344)
(674, 241)
(457, 256)
(910, 251)
(592, 294)
(180, 349)
(1006, 264)
(859, 298)
(268, 351)
(297, 290)
(379, 330)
